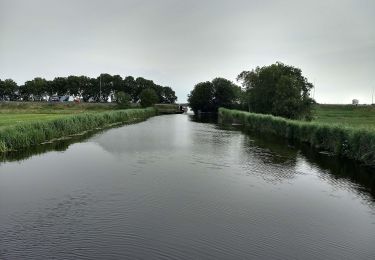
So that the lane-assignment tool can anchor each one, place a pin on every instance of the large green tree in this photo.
(278, 89)
(60, 86)
(142, 84)
(226, 94)
(148, 97)
(8, 89)
(72, 87)
(35, 89)
(105, 86)
(209, 96)
(168, 95)
(130, 87)
(123, 99)
(201, 97)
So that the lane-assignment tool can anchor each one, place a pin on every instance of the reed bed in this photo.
(32, 133)
(349, 142)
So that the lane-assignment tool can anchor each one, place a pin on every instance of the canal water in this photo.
(175, 188)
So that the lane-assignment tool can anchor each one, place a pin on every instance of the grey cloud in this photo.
(179, 43)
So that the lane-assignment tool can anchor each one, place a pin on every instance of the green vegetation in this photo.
(52, 108)
(24, 134)
(83, 88)
(123, 99)
(354, 143)
(8, 89)
(346, 115)
(209, 96)
(12, 113)
(148, 97)
(167, 108)
(279, 90)
(14, 119)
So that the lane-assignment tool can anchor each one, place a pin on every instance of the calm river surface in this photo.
(173, 188)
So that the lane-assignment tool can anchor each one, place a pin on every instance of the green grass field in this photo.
(13, 113)
(347, 115)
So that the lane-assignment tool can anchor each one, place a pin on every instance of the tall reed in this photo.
(28, 134)
(349, 142)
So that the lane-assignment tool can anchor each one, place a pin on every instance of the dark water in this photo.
(172, 188)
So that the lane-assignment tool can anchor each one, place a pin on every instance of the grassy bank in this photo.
(25, 134)
(352, 142)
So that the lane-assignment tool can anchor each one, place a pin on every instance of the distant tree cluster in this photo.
(278, 89)
(88, 89)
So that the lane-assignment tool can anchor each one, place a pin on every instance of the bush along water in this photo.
(28, 134)
(353, 143)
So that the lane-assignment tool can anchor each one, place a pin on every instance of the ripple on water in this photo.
(215, 194)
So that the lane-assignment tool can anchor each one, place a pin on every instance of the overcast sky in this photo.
(180, 43)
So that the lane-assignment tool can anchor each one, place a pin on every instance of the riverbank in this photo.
(25, 134)
(350, 142)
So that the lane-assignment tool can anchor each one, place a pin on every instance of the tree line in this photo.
(277, 89)
(97, 89)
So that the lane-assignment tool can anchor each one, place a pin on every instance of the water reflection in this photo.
(265, 149)
(279, 151)
(59, 145)
(339, 169)
(210, 118)
(282, 154)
